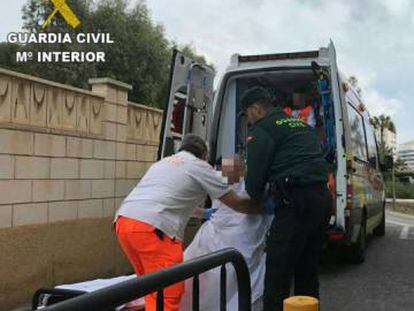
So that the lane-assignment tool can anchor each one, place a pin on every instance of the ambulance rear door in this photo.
(190, 103)
(341, 173)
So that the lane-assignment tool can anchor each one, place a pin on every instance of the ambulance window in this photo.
(177, 120)
(372, 144)
(358, 141)
(226, 143)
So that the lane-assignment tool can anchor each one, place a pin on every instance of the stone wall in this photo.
(68, 157)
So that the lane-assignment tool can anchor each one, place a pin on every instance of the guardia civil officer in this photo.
(284, 152)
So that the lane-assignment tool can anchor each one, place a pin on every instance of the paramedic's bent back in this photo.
(167, 194)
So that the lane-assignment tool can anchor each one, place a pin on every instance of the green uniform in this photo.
(286, 152)
(280, 146)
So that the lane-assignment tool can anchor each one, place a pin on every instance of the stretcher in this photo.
(48, 296)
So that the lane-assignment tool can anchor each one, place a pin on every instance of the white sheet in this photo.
(93, 285)
(227, 228)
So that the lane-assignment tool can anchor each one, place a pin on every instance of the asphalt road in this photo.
(384, 282)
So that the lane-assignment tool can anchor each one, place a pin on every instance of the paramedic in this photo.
(151, 220)
(301, 109)
(284, 153)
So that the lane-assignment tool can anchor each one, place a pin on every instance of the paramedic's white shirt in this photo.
(170, 190)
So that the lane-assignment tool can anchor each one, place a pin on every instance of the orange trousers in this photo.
(148, 253)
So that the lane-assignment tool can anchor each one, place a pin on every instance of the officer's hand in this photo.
(269, 205)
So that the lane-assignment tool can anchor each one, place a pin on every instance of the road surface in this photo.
(384, 282)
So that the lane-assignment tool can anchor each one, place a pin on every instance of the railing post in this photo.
(160, 300)
(196, 294)
(301, 303)
(223, 288)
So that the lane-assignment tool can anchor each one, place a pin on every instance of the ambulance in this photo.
(342, 124)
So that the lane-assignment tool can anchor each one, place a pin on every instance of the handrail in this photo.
(130, 290)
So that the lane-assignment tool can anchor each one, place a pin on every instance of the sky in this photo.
(373, 38)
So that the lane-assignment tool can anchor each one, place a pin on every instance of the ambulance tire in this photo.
(356, 252)
(380, 229)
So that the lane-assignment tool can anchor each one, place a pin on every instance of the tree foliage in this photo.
(140, 55)
(8, 55)
(380, 124)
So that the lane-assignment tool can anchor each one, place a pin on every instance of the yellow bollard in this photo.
(301, 303)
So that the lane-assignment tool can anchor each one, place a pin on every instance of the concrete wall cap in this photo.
(110, 81)
(47, 82)
(145, 107)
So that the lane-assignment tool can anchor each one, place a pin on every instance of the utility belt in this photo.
(281, 190)
(161, 234)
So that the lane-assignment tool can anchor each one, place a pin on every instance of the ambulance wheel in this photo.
(356, 252)
(380, 229)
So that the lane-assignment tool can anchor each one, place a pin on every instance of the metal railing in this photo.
(119, 294)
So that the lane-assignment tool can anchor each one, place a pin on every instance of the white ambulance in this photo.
(342, 125)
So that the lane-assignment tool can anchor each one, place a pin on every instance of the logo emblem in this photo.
(63, 8)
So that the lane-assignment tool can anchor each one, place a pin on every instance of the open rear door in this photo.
(189, 107)
(341, 160)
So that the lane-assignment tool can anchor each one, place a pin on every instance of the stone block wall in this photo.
(68, 157)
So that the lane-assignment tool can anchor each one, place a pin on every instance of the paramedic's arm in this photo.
(198, 212)
(212, 183)
(260, 152)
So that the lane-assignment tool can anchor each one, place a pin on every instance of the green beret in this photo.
(253, 95)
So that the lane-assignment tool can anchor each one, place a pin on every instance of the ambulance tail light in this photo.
(335, 236)
(349, 194)
(349, 197)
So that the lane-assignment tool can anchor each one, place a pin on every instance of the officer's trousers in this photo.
(294, 244)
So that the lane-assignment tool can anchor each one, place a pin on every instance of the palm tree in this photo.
(381, 123)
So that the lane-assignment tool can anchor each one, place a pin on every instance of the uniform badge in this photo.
(249, 138)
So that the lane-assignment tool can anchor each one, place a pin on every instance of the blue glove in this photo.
(269, 205)
(208, 212)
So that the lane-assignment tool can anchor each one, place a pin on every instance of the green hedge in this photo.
(402, 190)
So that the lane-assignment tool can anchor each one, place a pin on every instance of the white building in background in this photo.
(390, 139)
(406, 153)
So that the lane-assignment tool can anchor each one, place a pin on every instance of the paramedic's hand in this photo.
(208, 212)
